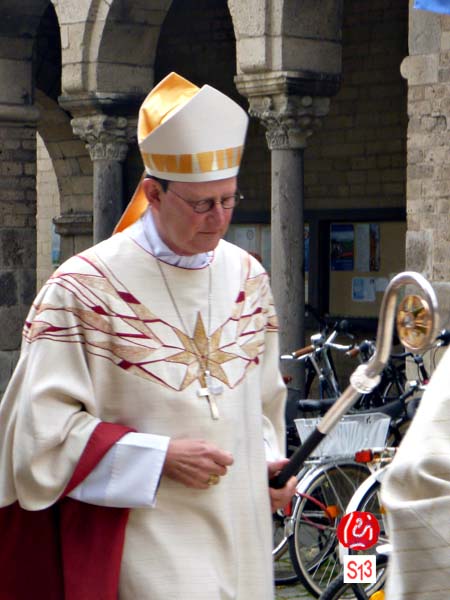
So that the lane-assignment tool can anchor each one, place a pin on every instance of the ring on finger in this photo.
(213, 479)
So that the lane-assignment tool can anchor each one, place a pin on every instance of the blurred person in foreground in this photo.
(416, 497)
(146, 413)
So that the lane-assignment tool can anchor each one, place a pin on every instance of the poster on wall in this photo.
(374, 247)
(367, 247)
(342, 247)
(363, 289)
(245, 237)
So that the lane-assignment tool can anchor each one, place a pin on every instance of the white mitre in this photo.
(186, 133)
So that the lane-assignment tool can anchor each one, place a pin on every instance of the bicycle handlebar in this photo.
(353, 352)
(444, 337)
(317, 347)
(341, 347)
(303, 351)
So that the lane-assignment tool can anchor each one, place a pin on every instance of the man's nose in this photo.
(218, 212)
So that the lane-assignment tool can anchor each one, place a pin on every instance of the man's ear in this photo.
(152, 190)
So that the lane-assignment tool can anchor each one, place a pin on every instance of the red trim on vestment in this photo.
(71, 550)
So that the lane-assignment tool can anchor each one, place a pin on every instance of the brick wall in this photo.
(358, 158)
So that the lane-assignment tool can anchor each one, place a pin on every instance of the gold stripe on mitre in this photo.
(200, 162)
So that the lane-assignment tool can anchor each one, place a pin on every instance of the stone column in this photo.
(289, 119)
(107, 143)
(17, 228)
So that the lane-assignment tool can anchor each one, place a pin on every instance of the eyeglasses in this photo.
(207, 204)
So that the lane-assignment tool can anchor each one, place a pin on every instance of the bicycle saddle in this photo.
(307, 405)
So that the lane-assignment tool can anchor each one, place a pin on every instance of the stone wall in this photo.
(427, 70)
(357, 158)
(17, 238)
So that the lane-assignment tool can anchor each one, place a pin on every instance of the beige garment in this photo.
(103, 342)
(416, 495)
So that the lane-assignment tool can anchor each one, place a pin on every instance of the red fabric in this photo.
(70, 551)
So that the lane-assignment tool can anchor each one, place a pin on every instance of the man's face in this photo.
(182, 229)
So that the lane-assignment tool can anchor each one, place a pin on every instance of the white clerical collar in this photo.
(144, 232)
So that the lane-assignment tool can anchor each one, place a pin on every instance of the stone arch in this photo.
(67, 155)
(73, 169)
(109, 46)
(19, 22)
(290, 35)
(198, 40)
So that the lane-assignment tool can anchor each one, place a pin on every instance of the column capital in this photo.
(107, 137)
(278, 100)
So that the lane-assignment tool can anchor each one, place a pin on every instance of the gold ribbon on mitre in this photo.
(186, 133)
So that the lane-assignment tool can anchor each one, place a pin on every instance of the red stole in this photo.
(69, 551)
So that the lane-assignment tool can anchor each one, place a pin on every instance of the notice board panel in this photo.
(363, 259)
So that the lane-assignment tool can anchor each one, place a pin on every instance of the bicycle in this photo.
(400, 411)
(318, 360)
(393, 378)
(319, 365)
(366, 499)
(366, 496)
(415, 335)
(324, 489)
(324, 493)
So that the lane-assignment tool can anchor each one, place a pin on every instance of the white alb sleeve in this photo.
(128, 475)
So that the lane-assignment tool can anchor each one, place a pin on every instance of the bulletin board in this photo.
(253, 237)
(363, 259)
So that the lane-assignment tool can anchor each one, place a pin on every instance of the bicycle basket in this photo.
(350, 434)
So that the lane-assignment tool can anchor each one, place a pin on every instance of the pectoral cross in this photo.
(209, 390)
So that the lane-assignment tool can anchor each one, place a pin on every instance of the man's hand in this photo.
(281, 497)
(192, 462)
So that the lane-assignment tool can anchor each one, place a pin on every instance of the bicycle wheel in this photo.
(338, 589)
(370, 502)
(323, 500)
(284, 572)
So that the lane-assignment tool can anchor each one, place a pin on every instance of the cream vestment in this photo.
(103, 342)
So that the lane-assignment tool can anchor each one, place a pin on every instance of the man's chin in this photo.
(209, 243)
